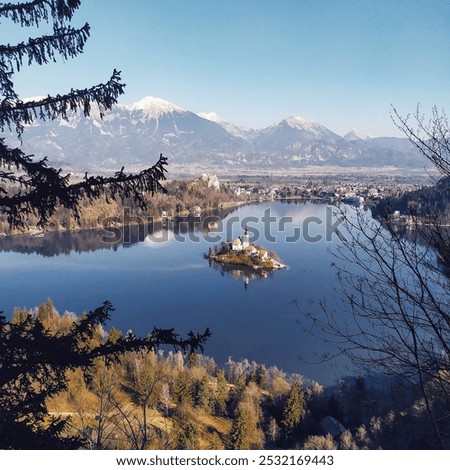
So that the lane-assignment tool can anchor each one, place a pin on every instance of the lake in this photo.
(158, 276)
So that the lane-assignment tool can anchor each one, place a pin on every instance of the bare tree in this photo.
(144, 379)
(431, 136)
(165, 399)
(392, 312)
(97, 417)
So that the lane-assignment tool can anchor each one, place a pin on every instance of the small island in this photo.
(241, 253)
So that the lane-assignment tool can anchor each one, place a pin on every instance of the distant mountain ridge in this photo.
(356, 134)
(134, 135)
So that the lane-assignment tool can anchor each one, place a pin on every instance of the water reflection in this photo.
(243, 274)
(111, 238)
(172, 285)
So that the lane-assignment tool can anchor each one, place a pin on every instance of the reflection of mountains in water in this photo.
(63, 243)
(244, 274)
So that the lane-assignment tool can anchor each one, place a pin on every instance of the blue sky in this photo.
(339, 62)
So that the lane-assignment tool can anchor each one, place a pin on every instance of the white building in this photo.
(241, 243)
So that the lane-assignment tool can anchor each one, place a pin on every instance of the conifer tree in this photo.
(19, 315)
(46, 313)
(221, 394)
(34, 365)
(32, 187)
(262, 377)
(187, 434)
(33, 360)
(241, 428)
(182, 389)
(203, 394)
(144, 378)
(294, 408)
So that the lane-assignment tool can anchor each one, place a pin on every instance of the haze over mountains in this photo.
(134, 135)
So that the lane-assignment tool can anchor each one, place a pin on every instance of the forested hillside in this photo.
(181, 198)
(160, 399)
(427, 202)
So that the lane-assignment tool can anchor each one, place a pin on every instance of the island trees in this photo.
(33, 360)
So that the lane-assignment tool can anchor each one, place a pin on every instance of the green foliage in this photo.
(143, 375)
(203, 394)
(182, 388)
(245, 432)
(241, 429)
(294, 408)
(262, 377)
(187, 435)
(221, 394)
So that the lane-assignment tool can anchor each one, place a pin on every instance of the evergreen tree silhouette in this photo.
(33, 360)
(32, 187)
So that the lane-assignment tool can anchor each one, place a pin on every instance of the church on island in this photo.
(242, 253)
(242, 245)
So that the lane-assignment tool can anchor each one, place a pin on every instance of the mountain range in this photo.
(134, 135)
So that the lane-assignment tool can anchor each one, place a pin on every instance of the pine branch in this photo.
(19, 113)
(127, 185)
(38, 11)
(6, 85)
(67, 41)
(39, 189)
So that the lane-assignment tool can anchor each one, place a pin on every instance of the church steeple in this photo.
(245, 242)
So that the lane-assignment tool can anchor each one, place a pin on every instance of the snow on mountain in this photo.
(33, 98)
(292, 132)
(298, 122)
(134, 135)
(214, 117)
(356, 134)
(241, 132)
(153, 107)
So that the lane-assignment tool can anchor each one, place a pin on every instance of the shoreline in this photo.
(228, 260)
(34, 232)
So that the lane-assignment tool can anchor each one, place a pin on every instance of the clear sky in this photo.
(342, 63)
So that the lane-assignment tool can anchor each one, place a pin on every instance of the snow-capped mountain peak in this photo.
(214, 117)
(356, 134)
(28, 99)
(154, 107)
(135, 134)
(232, 129)
(298, 122)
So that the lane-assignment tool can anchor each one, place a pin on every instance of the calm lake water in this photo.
(163, 280)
